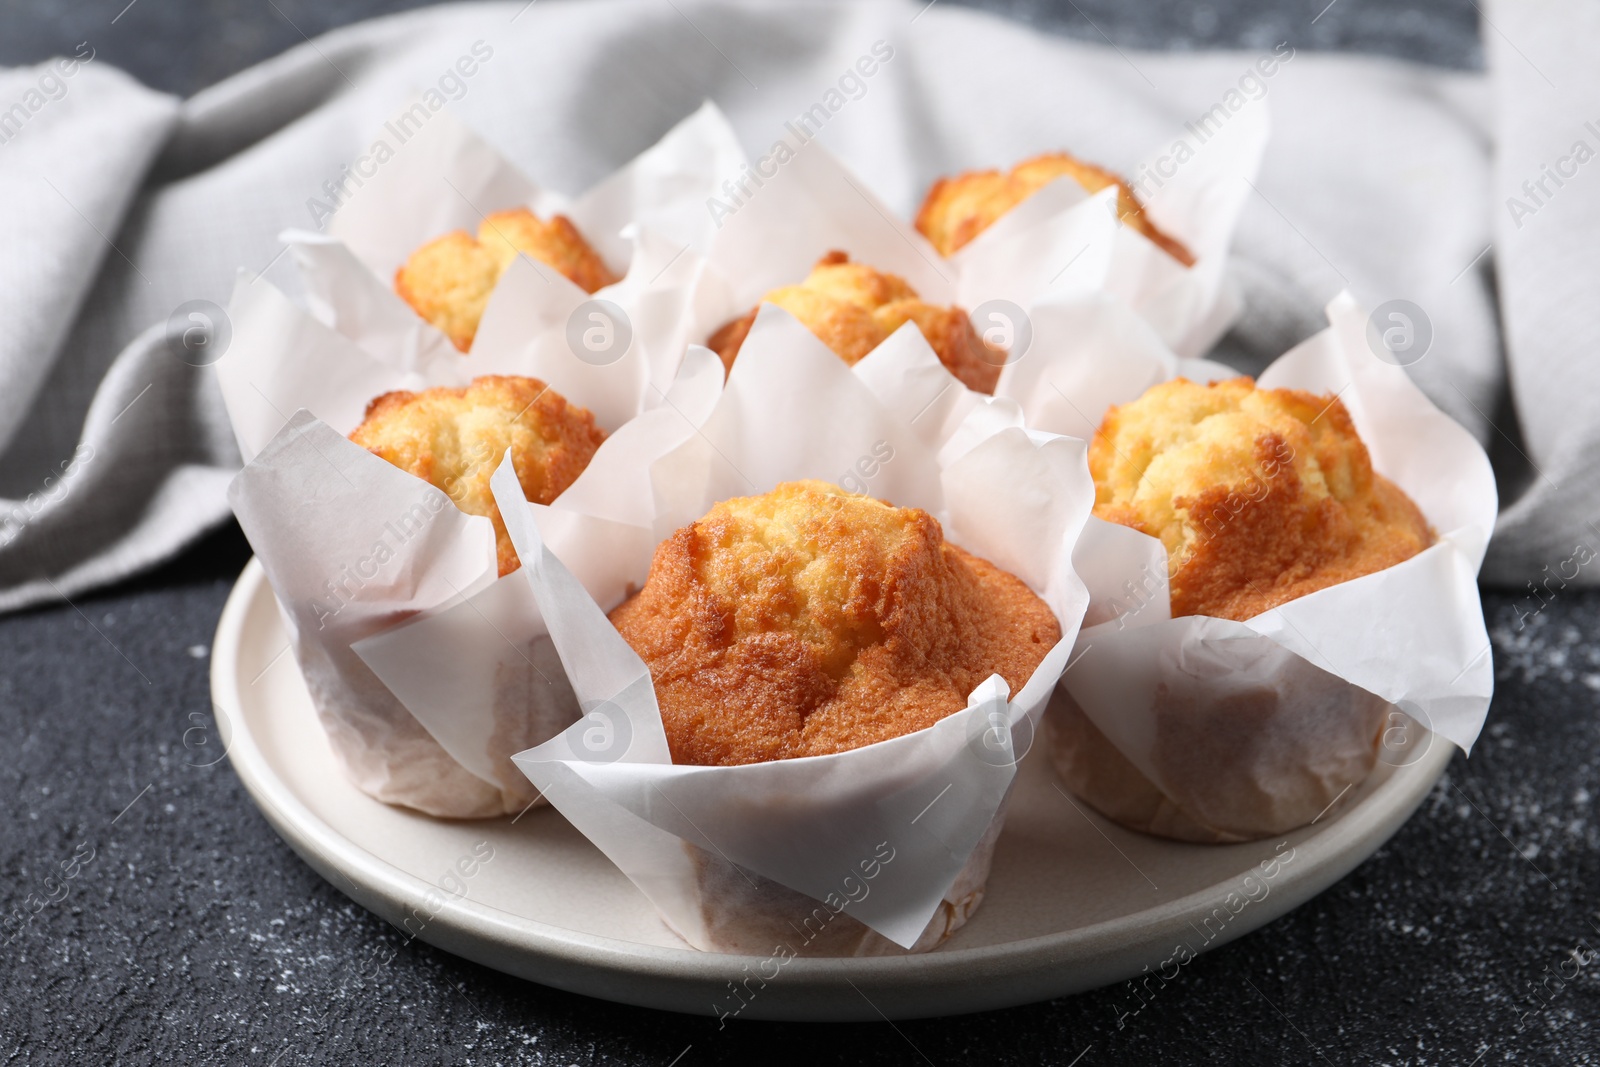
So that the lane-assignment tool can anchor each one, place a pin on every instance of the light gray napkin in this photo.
(123, 204)
(1546, 212)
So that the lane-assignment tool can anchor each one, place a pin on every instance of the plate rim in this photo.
(815, 988)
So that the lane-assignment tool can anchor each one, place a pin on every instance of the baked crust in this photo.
(958, 209)
(809, 621)
(853, 309)
(1259, 495)
(448, 281)
(454, 439)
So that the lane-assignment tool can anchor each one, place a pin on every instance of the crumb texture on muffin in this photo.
(455, 438)
(958, 209)
(810, 620)
(1259, 495)
(448, 280)
(853, 309)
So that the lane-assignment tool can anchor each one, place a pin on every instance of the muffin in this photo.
(853, 308)
(454, 439)
(1259, 495)
(810, 621)
(448, 280)
(958, 209)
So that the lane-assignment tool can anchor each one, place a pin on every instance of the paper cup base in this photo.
(531, 705)
(741, 912)
(1230, 795)
(387, 754)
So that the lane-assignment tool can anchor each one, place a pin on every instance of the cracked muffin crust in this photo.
(1259, 495)
(448, 281)
(454, 439)
(853, 308)
(809, 621)
(958, 209)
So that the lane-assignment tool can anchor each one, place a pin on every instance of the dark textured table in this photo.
(194, 935)
(189, 933)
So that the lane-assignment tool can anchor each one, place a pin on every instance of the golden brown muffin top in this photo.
(1259, 495)
(958, 209)
(853, 309)
(809, 620)
(454, 439)
(448, 280)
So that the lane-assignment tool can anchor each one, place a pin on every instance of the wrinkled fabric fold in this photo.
(114, 453)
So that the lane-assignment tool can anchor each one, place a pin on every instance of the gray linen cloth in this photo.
(123, 204)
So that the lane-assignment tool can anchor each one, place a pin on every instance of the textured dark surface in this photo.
(194, 935)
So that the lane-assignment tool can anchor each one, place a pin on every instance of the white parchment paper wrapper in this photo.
(479, 672)
(351, 546)
(1210, 729)
(354, 547)
(444, 177)
(741, 858)
(1060, 241)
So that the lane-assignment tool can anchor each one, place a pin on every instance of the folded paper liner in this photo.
(283, 361)
(1061, 241)
(1213, 730)
(887, 845)
(353, 546)
(641, 219)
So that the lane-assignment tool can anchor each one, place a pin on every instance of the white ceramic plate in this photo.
(1074, 901)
